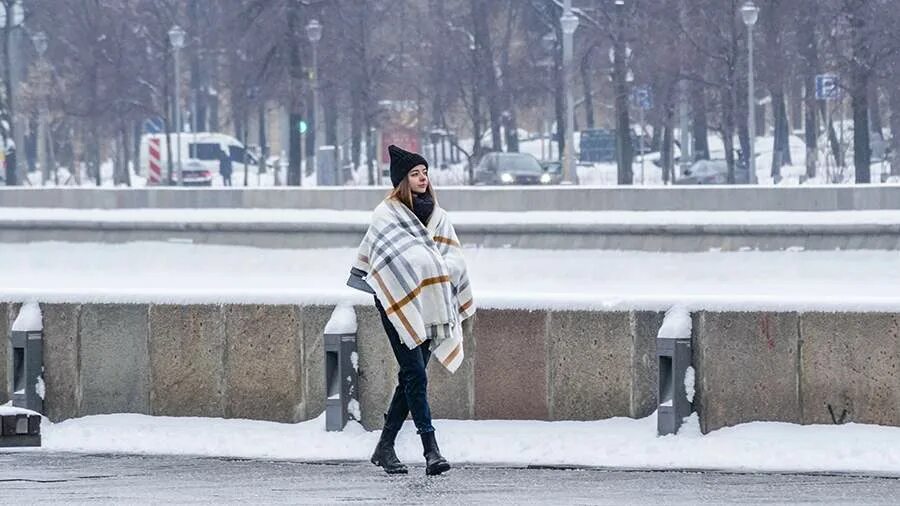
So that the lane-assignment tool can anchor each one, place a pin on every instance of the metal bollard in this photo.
(341, 369)
(341, 379)
(19, 429)
(27, 383)
(674, 357)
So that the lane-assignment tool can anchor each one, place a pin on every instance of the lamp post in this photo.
(40, 45)
(568, 22)
(749, 13)
(176, 37)
(12, 77)
(314, 33)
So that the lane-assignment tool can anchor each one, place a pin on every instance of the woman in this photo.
(411, 260)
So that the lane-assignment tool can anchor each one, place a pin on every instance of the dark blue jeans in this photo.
(411, 394)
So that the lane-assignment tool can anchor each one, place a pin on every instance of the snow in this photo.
(148, 272)
(8, 410)
(677, 324)
(363, 218)
(615, 442)
(354, 359)
(39, 387)
(353, 409)
(343, 320)
(689, 378)
(29, 318)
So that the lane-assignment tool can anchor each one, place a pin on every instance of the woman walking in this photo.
(411, 260)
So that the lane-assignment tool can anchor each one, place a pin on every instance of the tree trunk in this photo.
(806, 37)
(263, 140)
(795, 103)
(781, 152)
(136, 132)
(296, 101)
(485, 68)
(727, 99)
(560, 101)
(11, 168)
(894, 98)
(666, 153)
(126, 174)
(512, 128)
(588, 91)
(876, 124)
(624, 156)
(198, 105)
(701, 127)
(859, 93)
(862, 153)
(330, 115)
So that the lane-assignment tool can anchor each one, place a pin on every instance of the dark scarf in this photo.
(423, 206)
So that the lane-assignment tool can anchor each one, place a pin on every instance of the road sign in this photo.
(828, 87)
(153, 125)
(642, 98)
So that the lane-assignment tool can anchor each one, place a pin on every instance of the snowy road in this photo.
(44, 478)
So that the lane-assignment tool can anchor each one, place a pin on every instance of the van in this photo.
(200, 154)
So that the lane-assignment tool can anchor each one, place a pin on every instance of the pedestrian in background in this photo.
(225, 167)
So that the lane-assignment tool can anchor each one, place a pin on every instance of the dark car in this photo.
(509, 169)
(553, 172)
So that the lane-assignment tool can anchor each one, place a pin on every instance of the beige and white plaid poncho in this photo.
(419, 275)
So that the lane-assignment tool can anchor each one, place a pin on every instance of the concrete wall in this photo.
(266, 362)
(701, 198)
(540, 236)
(4, 354)
(797, 367)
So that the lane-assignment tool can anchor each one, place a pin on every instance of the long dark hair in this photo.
(403, 193)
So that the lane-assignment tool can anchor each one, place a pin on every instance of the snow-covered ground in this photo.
(501, 278)
(616, 442)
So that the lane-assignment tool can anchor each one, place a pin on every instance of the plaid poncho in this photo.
(419, 275)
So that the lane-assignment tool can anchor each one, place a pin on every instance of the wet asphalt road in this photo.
(29, 477)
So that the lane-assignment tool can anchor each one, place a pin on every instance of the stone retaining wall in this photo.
(520, 198)
(608, 236)
(266, 362)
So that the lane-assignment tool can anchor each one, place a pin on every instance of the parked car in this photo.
(509, 169)
(711, 172)
(553, 172)
(194, 173)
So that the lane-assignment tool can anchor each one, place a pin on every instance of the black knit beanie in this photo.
(402, 162)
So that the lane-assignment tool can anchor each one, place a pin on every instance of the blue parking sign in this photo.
(827, 87)
(153, 125)
(641, 97)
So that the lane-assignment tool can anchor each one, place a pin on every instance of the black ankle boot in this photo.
(434, 463)
(385, 456)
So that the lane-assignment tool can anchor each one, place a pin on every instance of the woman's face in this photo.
(418, 179)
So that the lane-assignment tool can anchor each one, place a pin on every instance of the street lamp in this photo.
(749, 13)
(12, 137)
(314, 33)
(568, 22)
(176, 37)
(40, 45)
